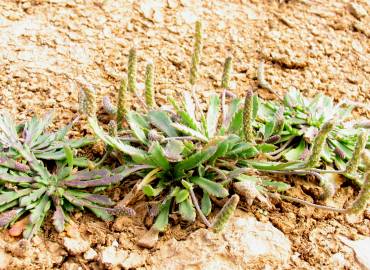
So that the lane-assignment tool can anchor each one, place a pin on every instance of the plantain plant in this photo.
(39, 173)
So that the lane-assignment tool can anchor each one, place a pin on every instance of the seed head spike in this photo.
(121, 106)
(227, 73)
(318, 144)
(360, 204)
(359, 148)
(90, 100)
(226, 212)
(149, 85)
(132, 70)
(248, 116)
(195, 60)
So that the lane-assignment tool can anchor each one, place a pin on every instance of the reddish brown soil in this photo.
(315, 46)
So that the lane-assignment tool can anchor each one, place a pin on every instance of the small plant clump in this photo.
(39, 173)
(190, 159)
(195, 156)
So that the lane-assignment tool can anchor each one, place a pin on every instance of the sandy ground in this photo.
(314, 46)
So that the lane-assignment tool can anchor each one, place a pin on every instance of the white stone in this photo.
(111, 256)
(243, 243)
(357, 10)
(75, 246)
(90, 255)
(4, 260)
(361, 249)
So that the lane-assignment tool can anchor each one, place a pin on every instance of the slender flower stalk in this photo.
(90, 94)
(248, 116)
(149, 85)
(226, 75)
(353, 163)
(109, 108)
(360, 204)
(132, 70)
(122, 104)
(195, 60)
(318, 144)
(224, 215)
(82, 102)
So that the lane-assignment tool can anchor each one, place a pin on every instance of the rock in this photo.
(112, 256)
(244, 244)
(149, 239)
(90, 255)
(4, 260)
(75, 246)
(361, 249)
(152, 10)
(357, 10)
(20, 249)
(134, 260)
(188, 17)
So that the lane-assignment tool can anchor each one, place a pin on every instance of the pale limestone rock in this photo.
(244, 243)
(112, 256)
(357, 10)
(75, 246)
(4, 260)
(361, 249)
(90, 255)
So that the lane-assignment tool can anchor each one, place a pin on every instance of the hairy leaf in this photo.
(206, 204)
(161, 221)
(194, 161)
(9, 196)
(212, 115)
(182, 195)
(191, 132)
(210, 187)
(157, 156)
(187, 210)
(161, 120)
(133, 121)
(33, 196)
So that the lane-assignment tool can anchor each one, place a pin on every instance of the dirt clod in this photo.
(76, 246)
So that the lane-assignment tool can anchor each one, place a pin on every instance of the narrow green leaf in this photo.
(213, 115)
(149, 191)
(295, 153)
(136, 153)
(38, 211)
(35, 195)
(173, 150)
(182, 195)
(101, 213)
(210, 187)
(162, 121)
(9, 196)
(161, 221)
(236, 123)
(157, 156)
(194, 161)
(133, 121)
(266, 147)
(69, 155)
(187, 210)
(206, 204)
(189, 131)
